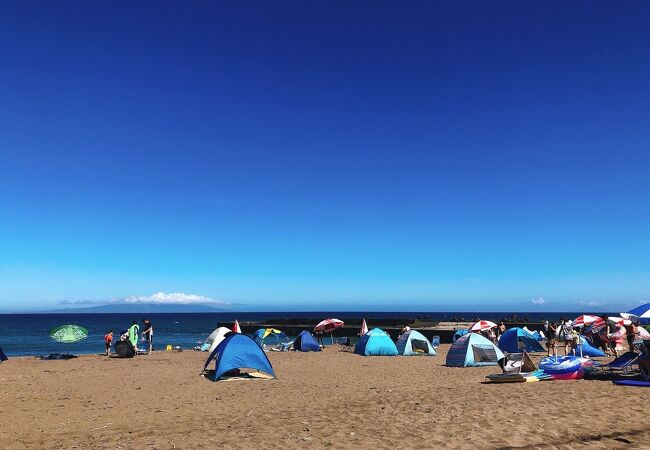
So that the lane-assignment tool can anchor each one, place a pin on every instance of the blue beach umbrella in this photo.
(642, 312)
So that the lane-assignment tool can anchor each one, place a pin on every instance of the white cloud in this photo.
(159, 298)
(590, 303)
(162, 298)
(538, 301)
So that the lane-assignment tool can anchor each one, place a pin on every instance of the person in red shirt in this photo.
(108, 339)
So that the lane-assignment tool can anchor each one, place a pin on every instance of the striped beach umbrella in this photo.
(329, 325)
(585, 319)
(482, 325)
(69, 333)
(595, 326)
(600, 323)
(619, 321)
(236, 328)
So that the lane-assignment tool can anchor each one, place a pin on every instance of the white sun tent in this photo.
(414, 343)
(214, 339)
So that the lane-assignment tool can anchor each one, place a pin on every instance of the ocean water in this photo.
(29, 334)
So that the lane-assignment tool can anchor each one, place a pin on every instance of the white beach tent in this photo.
(215, 339)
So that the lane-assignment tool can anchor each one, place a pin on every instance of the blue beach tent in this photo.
(459, 333)
(375, 343)
(266, 335)
(473, 350)
(305, 342)
(414, 343)
(3, 357)
(517, 339)
(238, 351)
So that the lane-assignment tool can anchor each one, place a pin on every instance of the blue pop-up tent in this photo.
(459, 333)
(517, 339)
(305, 342)
(375, 343)
(473, 350)
(413, 343)
(238, 351)
(3, 357)
(266, 335)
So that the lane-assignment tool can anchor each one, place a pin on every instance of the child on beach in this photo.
(575, 342)
(108, 339)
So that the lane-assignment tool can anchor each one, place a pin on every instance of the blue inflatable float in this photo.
(560, 365)
(588, 349)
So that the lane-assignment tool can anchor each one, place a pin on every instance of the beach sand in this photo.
(332, 399)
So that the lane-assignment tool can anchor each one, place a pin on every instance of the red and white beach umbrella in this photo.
(599, 324)
(329, 325)
(236, 328)
(585, 319)
(364, 328)
(482, 325)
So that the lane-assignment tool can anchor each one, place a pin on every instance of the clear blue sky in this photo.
(311, 155)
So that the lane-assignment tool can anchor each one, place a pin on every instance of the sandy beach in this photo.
(333, 399)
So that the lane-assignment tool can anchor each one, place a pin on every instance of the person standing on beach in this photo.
(550, 331)
(631, 330)
(405, 329)
(492, 335)
(319, 337)
(134, 332)
(148, 333)
(611, 333)
(567, 335)
(108, 339)
(501, 329)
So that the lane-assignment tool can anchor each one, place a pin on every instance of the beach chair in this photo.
(624, 362)
(286, 346)
(517, 363)
(435, 342)
(282, 347)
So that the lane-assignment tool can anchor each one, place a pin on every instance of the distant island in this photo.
(137, 308)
